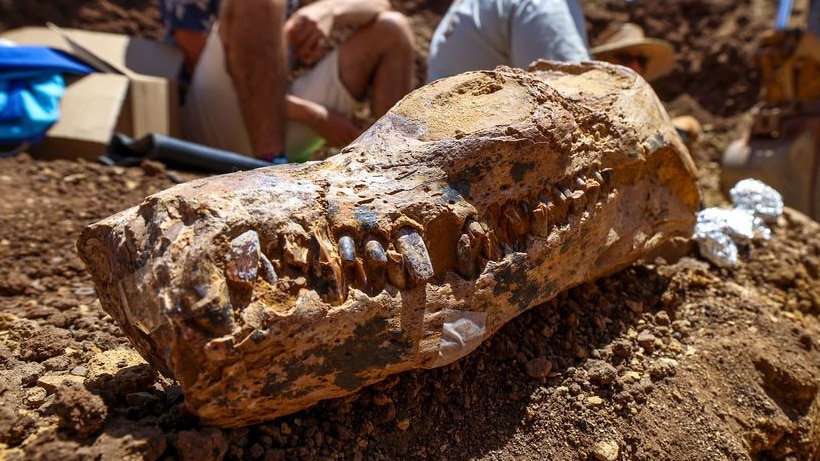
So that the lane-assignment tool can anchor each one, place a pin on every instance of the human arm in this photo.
(308, 29)
(333, 126)
(255, 55)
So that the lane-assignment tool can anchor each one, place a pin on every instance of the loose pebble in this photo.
(606, 450)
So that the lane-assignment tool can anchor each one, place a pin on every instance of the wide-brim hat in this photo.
(630, 38)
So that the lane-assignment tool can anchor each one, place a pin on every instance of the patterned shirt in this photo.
(196, 15)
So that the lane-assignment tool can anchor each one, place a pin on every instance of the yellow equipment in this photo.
(782, 146)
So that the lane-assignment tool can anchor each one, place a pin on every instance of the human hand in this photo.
(308, 30)
(337, 129)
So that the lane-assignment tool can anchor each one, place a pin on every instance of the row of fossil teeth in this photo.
(335, 266)
(405, 261)
(549, 210)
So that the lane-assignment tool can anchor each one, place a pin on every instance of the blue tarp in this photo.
(31, 87)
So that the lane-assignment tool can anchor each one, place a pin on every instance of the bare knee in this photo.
(395, 28)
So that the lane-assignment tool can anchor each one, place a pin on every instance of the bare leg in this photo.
(379, 57)
(251, 31)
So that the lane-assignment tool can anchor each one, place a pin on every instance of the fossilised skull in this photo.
(475, 198)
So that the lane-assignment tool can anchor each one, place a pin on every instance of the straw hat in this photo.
(629, 38)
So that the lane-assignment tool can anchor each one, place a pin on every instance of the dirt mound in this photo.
(681, 361)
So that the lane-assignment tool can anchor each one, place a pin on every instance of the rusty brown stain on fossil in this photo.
(442, 236)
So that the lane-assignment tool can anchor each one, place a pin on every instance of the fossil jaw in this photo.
(474, 199)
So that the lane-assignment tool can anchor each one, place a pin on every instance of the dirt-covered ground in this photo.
(658, 362)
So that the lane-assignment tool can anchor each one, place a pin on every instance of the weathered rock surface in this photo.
(474, 199)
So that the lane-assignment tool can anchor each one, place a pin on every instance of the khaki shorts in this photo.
(212, 115)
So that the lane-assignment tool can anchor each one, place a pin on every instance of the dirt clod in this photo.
(79, 409)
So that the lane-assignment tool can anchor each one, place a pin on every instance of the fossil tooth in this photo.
(347, 249)
(492, 248)
(268, 271)
(354, 272)
(484, 240)
(599, 178)
(296, 246)
(395, 270)
(374, 265)
(607, 175)
(327, 268)
(559, 212)
(593, 191)
(467, 255)
(374, 253)
(476, 230)
(564, 190)
(416, 259)
(580, 182)
(334, 325)
(517, 220)
(243, 259)
(356, 275)
(499, 223)
(578, 202)
(540, 220)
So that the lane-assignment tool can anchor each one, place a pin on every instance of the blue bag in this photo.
(31, 87)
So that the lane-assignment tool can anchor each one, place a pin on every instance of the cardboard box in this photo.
(135, 92)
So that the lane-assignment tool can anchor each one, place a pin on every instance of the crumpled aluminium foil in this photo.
(757, 198)
(718, 230)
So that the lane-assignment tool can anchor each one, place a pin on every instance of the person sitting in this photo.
(625, 44)
(483, 34)
(241, 56)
